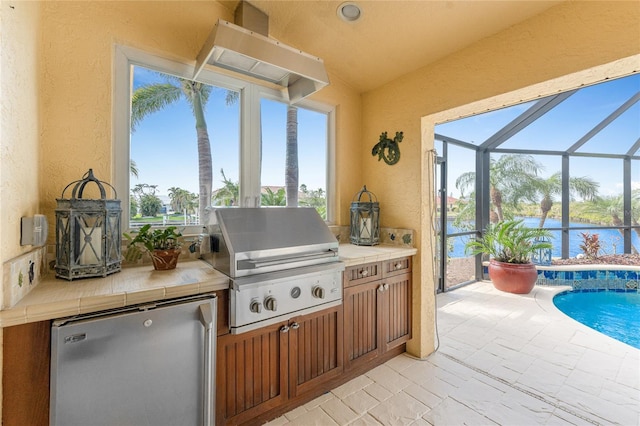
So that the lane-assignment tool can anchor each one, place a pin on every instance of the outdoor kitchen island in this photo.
(26, 328)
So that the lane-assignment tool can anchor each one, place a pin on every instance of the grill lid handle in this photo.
(263, 263)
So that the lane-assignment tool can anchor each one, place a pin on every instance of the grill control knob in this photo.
(255, 307)
(271, 304)
(318, 292)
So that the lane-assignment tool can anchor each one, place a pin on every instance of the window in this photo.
(164, 164)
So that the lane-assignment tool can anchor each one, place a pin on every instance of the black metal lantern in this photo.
(365, 219)
(88, 237)
(542, 256)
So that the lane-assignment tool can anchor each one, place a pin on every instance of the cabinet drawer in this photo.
(396, 266)
(361, 274)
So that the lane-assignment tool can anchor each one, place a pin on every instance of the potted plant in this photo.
(163, 246)
(510, 245)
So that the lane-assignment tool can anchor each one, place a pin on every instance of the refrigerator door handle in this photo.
(207, 320)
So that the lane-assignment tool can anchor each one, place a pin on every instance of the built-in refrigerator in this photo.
(151, 364)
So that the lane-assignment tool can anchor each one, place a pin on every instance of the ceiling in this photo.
(392, 38)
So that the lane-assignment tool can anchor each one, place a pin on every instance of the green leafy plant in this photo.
(510, 242)
(590, 244)
(148, 240)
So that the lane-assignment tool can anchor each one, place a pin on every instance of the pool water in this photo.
(616, 314)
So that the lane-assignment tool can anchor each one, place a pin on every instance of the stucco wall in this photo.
(19, 125)
(19, 122)
(566, 39)
(76, 97)
(77, 80)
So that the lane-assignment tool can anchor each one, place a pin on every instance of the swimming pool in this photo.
(614, 313)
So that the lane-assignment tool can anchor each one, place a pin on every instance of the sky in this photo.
(558, 130)
(165, 150)
(164, 144)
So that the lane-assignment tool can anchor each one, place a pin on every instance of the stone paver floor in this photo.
(502, 359)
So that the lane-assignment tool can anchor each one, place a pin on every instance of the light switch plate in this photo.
(22, 274)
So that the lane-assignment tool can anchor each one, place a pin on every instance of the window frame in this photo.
(251, 93)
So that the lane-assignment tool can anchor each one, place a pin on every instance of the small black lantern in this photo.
(542, 256)
(88, 237)
(365, 219)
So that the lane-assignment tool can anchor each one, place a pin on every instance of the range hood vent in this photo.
(241, 50)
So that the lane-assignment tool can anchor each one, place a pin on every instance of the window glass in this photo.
(302, 167)
(166, 138)
(161, 157)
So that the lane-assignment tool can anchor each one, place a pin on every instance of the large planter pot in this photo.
(512, 277)
(165, 259)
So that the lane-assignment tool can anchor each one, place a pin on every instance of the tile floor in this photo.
(503, 359)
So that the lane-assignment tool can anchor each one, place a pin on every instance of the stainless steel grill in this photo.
(281, 262)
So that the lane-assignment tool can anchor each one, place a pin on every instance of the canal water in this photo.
(611, 240)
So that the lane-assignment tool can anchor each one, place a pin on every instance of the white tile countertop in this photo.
(55, 298)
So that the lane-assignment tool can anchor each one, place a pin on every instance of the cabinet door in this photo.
(315, 349)
(251, 373)
(362, 322)
(396, 310)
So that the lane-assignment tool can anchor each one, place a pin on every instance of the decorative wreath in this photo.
(387, 149)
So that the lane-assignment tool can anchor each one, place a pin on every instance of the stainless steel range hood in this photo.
(238, 49)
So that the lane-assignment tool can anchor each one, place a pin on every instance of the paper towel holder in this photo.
(34, 230)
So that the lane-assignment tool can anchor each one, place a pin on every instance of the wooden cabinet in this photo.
(377, 309)
(261, 369)
(315, 349)
(251, 374)
(362, 306)
(25, 378)
(223, 312)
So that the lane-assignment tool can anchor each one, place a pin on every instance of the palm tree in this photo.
(585, 187)
(154, 97)
(510, 181)
(314, 198)
(270, 198)
(181, 199)
(229, 193)
(291, 165)
(133, 168)
(612, 206)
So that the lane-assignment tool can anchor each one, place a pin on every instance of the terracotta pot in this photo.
(165, 259)
(512, 277)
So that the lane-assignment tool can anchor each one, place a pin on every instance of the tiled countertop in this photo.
(55, 298)
(357, 255)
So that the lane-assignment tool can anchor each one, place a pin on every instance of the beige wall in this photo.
(77, 81)
(19, 122)
(19, 125)
(566, 39)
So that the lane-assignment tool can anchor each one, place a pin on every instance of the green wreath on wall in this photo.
(387, 149)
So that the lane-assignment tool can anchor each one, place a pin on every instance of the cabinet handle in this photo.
(398, 265)
(284, 329)
(208, 320)
(381, 288)
(386, 286)
(295, 326)
(364, 272)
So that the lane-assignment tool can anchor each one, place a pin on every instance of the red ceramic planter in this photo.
(165, 259)
(512, 277)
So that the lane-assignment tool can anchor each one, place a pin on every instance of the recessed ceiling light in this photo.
(349, 12)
